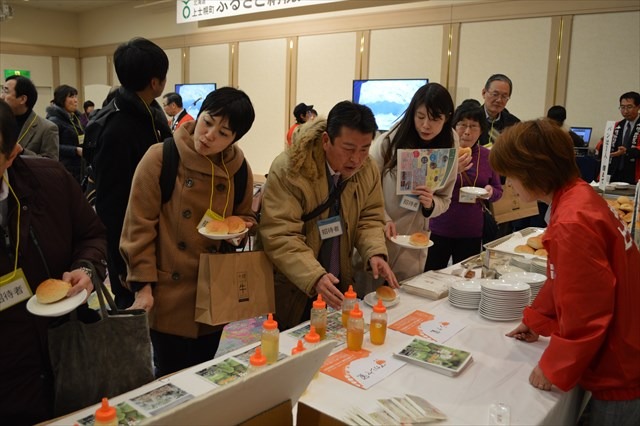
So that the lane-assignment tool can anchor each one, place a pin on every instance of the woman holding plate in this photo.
(457, 233)
(161, 243)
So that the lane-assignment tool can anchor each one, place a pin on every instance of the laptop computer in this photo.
(583, 132)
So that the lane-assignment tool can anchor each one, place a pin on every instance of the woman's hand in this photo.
(236, 241)
(464, 162)
(425, 196)
(390, 230)
(524, 333)
(144, 299)
(539, 380)
(489, 190)
(79, 281)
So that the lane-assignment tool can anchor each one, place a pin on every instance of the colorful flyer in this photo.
(424, 324)
(428, 167)
(223, 373)
(161, 399)
(361, 369)
(335, 329)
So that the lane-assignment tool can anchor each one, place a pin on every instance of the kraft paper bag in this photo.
(233, 287)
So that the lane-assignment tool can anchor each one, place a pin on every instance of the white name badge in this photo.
(467, 198)
(330, 227)
(209, 216)
(15, 290)
(410, 202)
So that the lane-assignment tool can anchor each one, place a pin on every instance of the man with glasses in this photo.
(626, 138)
(172, 105)
(496, 93)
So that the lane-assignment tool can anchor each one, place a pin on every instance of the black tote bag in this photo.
(104, 358)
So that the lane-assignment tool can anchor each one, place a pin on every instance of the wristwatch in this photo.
(87, 271)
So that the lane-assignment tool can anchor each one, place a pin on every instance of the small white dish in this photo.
(56, 309)
(372, 300)
(204, 233)
(476, 192)
(527, 277)
(403, 241)
(503, 285)
(620, 185)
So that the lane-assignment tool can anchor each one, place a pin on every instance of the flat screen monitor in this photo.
(583, 132)
(193, 94)
(387, 98)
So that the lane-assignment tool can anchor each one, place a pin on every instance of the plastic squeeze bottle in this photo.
(355, 329)
(270, 339)
(378, 324)
(319, 316)
(347, 304)
(257, 361)
(312, 338)
(298, 348)
(106, 415)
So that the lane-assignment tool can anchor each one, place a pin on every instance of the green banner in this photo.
(24, 73)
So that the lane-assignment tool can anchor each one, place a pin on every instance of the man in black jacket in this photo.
(496, 93)
(139, 122)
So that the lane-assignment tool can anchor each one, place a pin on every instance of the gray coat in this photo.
(39, 137)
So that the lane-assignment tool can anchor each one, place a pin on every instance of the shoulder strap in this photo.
(239, 184)
(322, 207)
(93, 131)
(169, 171)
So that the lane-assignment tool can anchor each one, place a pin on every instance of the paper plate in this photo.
(403, 241)
(371, 299)
(56, 309)
(204, 233)
(472, 190)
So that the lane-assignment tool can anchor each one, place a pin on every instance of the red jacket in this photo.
(590, 304)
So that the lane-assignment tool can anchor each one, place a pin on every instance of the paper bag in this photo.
(233, 287)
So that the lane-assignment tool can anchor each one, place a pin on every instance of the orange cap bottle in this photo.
(312, 338)
(350, 298)
(355, 329)
(378, 324)
(106, 415)
(270, 339)
(257, 359)
(298, 348)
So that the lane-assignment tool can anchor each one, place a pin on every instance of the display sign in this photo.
(24, 73)
(200, 10)
(606, 154)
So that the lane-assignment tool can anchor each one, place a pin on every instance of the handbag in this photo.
(234, 286)
(489, 224)
(95, 359)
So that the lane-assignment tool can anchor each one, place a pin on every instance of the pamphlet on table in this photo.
(439, 358)
(362, 368)
(428, 326)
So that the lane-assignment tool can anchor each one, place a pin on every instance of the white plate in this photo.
(620, 185)
(501, 285)
(403, 241)
(204, 233)
(526, 277)
(372, 300)
(476, 192)
(472, 286)
(56, 309)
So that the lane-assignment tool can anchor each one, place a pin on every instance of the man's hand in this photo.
(539, 380)
(144, 299)
(524, 333)
(79, 281)
(390, 230)
(380, 267)
(326, 286)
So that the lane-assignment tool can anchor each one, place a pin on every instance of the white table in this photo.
(499, 373)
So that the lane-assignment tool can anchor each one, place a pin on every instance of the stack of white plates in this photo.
(505, 269)
(521, 262)
(465, 294)
(535, 280)
(538, 266)
(503, 300)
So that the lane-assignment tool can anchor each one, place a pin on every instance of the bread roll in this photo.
(236, 224)
(419, 239)
(626, 207)
(627, 217)
(541, 253)
(535, 242)
(524, 249)
(217, 227)
(52, 290)
(386, 293)
(623, 199)
(462, 151)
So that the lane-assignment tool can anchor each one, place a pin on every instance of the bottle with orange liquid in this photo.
(355, 329)
(270, 339)
(312, 338)
(319, 316)
(378, 324)
(106, 415)
(347, 304)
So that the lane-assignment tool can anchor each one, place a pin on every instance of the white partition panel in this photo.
(69, 73)
(326, 68)
(174, 75)
(518, 48)
(418, 49)
(209, 64)
(94, 71)
(604, 63)
(262, 75)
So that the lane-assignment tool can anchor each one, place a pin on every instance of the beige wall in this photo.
(598, 57)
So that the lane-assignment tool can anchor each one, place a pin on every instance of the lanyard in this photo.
(153, 121)
(226, 204)
(26, 129)
(477, 170)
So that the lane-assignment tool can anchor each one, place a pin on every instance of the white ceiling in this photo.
(79, 6)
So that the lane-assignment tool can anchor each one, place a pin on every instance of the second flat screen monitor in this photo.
(387, 98)
(193, 94)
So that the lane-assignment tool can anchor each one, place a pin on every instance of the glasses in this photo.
(471, 127)
(496, 95)
(627, 107)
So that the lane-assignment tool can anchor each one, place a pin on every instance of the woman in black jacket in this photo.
(63, 112)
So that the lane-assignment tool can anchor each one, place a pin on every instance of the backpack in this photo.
(169, 172)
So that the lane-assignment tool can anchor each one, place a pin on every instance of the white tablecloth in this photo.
(499, 373)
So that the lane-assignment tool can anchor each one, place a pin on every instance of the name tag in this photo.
(209, 216)
(410, 202)
(80, 139)
(330, 227)
(467, 198)
(15, 290)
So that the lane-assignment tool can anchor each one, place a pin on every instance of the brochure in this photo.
(429, 326)
(410, 409)
(361, 369)
(436, 357)
(432, 285)
(430, 167)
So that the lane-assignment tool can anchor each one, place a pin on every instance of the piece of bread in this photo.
(535, 242)
(386, 293)
(462, 151)
(217, 227)
(419, 239)
(52, 290)
(523, 248)
(541, 253)
(626, 207)
(623, 199)
(236, 224)
(627, 217)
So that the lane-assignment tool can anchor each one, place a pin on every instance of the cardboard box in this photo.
(511, 207)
